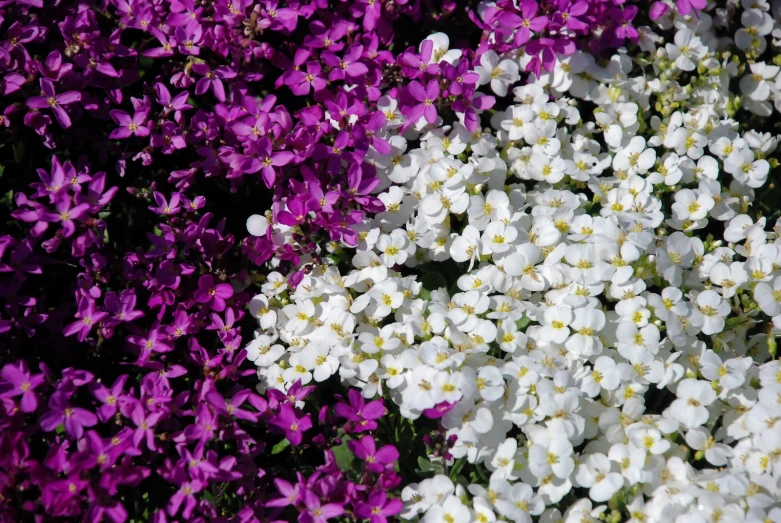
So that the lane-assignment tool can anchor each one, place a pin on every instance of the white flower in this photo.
(730, 374)
(690, 409)
(500, 74)
(441, 51)
(518, 502)
(729, 277)
(648, 438)
(555, 327)
(263, 352)
(553, 456)
(717, 454)
(687, 48)
(498, 237)
(596, 474)
(741, 164)
(451, 511)
(634, 158)
(393, 248)
(604, 375)
(756, 85)
(769, 297)
(713, 309)
(317, 358)
(692, 206)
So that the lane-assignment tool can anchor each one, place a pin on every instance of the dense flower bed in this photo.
(377, 260)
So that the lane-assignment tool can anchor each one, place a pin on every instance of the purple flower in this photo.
(212, 80)
(62, 412)
(145, 423)
(88, 316)
(128, 126)
(544, 52)
(375, 460)
(109, 397)
(211, 294)
(346, 66)
(292, 425)
(526, 23)
(164, 206)
(622, 18)
(185, 495)
(568, 12)
(362, 414)
(189, 38)
(318, 512)
(378, 507)
(21, 383)
(687, 6)
(427, 98)
(291, 494)
(52, 100)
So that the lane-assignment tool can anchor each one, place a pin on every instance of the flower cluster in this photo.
(583, 294)
(515, 259)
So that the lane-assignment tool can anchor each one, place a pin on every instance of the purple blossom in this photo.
(20, 382)
(375, 460)
(61, 412)
(378, 507)
(51, 100)
(427, 97)
(362, 415)
(291, 424)
(129, 126)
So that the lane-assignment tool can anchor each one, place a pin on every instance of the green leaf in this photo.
(60, 428)
(279, 447)
(458, 466)
(523, 322)
(425, 465)
(433, 281)
(18, 148)
(344, 457)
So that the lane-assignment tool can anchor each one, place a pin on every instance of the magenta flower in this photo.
(211, 294)
(88, 316)
(362, 415)
(567, 14)
(109, 397)
(622, 18)
(291, 494)
(52, 100)
(66, 214)
(526, 23)
(61, 412)
(189, 38)
(129, 126)
(375, 460)
(293, 426)
(427, 98)
(658, 9)
(21, 382)
(348, 66)
(545, 50)
(145, 424)
(687, 6)
(318, 512)
(378, 507)
(185, 496)
(265, 160)
(301, 81)
(212, 80)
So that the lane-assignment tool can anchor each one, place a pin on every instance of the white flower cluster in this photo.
(585, 289)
